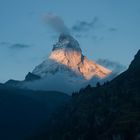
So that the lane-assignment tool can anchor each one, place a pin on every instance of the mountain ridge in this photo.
(67, 52)
(107, 112)
(69, 66)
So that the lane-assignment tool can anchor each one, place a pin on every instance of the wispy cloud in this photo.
(88, 29)
(81, 29)
(56, 22)
(14, 46)
(4, 43)
(114, 66)
(84, 26)
(112, 29)
(19, 46)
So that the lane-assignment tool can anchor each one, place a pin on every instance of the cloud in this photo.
(82, 35)
(81, 29)
(19, 46)
(84, 26)
(88, 29)
(4, 43)
(57, 23)
(112, 29)
(14, 46)
(114, 66)
(57, 82)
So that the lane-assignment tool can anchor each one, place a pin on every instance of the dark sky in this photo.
(107, 29)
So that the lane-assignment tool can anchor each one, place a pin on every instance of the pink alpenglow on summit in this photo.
(67, 54)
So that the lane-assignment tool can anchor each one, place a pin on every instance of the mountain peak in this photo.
(67, 53)
(63, 37)
(67, 42)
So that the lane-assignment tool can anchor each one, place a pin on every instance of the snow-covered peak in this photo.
(67, 56)
(67, 42)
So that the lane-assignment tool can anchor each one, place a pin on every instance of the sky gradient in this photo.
(107, 29)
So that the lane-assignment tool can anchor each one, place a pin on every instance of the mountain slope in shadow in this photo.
(107, 112)
(23, 111)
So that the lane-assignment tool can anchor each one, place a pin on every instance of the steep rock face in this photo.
(89, 69)
(67, 55)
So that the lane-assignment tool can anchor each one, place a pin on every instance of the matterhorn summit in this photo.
(66, 69)
(67, 56)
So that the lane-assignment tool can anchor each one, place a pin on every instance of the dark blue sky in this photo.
(104, 28)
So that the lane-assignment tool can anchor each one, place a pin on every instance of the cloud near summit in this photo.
(83, 26)
(80, 29)
(56, 22)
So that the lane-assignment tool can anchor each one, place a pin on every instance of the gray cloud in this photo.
(14, 46)
(57, 23)
(4, 43)
(82, 35)
(57, 82)
(19, 46)
(81, 29)
(112, 29)
(114, 66)
(84, 26)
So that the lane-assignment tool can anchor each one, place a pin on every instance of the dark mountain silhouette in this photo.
(107, 112)
(29, 77)
(23, 111)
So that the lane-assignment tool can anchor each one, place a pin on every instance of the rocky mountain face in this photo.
(66, 69)
(67, 55)
(107, 112)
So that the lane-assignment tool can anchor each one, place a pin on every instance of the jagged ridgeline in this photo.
(67, 54)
